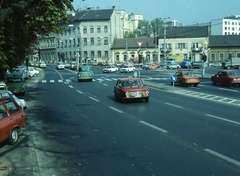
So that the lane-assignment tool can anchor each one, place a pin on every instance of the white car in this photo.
(110, 69)
(9, 94)
(127, 68)
(32, 72)
(60, 65)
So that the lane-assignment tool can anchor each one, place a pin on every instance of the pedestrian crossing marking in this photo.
(52, 81)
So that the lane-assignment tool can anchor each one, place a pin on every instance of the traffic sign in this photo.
(173, 78)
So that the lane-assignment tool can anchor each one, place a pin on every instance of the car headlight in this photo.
(146, 93)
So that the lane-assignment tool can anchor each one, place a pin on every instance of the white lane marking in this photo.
(220, 118)
(71, 86)
(153, 126)
(44, 81)
(116, 109)
(35, 81)
(228, 89)
(94, 99)
(105, 84)
(79, 92)
(174, 105)
(60, 80)
(52, 81)
(223, 157)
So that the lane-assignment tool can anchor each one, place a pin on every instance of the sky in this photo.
(185, 12)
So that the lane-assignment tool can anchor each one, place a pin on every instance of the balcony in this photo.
(197, 49)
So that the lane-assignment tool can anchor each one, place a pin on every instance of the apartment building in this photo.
(229, 25)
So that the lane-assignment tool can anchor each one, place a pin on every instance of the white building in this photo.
(227, 26)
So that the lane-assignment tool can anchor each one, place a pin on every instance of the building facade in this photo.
(226, 26)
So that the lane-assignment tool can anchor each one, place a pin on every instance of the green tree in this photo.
(149, 27)
(23, 21)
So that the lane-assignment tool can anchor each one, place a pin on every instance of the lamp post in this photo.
(164, 34)
(126, 44)
(77, 58)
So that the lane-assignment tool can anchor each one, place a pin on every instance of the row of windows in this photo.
(182, 45)
(232, 23)
(91, 29)
(233, 28)
(76, 42)
(221, 56)
(87, 55)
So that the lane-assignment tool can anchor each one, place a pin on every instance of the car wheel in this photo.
(226, 83)
(181, 83)
(110, 71)
(13, 136)
(185, 85)
(147, 99)
(214, 83)
(195, 85)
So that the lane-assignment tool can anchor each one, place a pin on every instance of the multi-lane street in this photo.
(79, 128)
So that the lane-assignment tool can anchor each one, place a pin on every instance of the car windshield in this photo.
(84, 69)
(132, 83)
(234, 73)
(189, 74)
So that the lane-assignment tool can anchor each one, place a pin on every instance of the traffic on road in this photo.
(85, 128)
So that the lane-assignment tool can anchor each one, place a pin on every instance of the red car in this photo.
(227, 77)
(12, 119)
(131, 88)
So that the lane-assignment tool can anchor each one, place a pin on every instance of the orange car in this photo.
(227, 77)
(12, 119)
(186, 78)
(131, 88)
(151, 67)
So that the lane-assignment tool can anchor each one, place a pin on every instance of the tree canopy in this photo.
(23, 21)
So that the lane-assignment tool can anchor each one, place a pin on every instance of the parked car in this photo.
(215, 64)
(17, 86)
(12, 119)
(60, 66)
(130, 89)
(73, 65)
(187, 78)
(3, 85)
(170, 65)
(31, 72)
(197, 64)
(85, 72)
(10, 95)
(67, 64)
(17, 73)
(127, 68)
(110, 69)
(226, 77)
(42, 64)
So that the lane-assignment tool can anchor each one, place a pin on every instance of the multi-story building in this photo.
(183, 42)
(229, 25)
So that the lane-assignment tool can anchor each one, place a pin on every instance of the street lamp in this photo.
(165, 33)
(77, 56)
(126, 44)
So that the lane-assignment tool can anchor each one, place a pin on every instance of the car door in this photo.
(6, 123)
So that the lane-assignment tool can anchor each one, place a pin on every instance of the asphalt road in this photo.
(79, 128)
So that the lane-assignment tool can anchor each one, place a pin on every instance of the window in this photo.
(106, 54)
(92, 41)
(84, 29)
(99, 54)
(99, 41)
(78, 42)
(85, 54)
(70, 42)
(212, 57)
(92, 55)
(105, 29)
(3, 112)
(221, 56)
(181, 45)
(98, 29)
(91, 29)
(105, 41)
(195, 45)
(65, 45)
(74, 42)
(85, 41)
(12, 107)
(78, 30)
